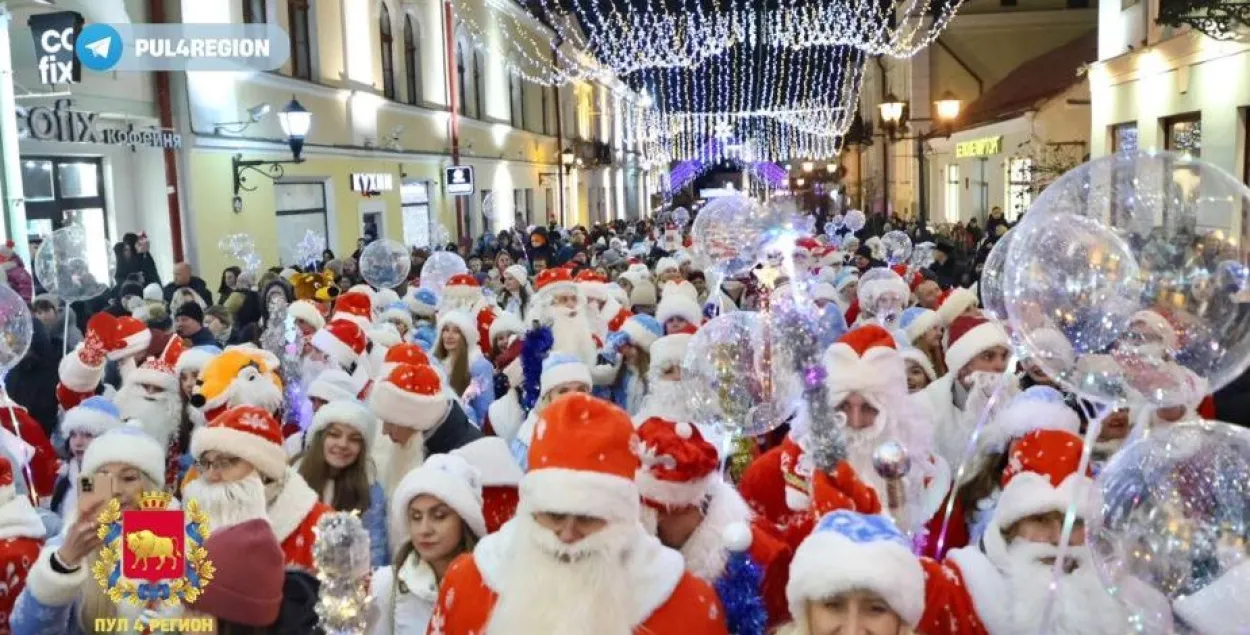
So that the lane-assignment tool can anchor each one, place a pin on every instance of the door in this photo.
(372, 220)
(414, 197)
(61, 191)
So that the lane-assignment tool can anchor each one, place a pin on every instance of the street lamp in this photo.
(948, 106)
(296, 121)
(892, 110)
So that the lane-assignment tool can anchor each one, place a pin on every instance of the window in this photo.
(414, 199)
(1019, 187)
(300, 207)
(412, 60)
(519, 211)
(461, 85)
(486, 223)
(1124, 137)
(516, 95)
(478, 96)
(301, 41)
(254, 12)
(63, 191)
(952, 194)
(546, 108)
(1183, 133)
(388, 52)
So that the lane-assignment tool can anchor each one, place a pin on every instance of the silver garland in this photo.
(282, 338)
(341, 555)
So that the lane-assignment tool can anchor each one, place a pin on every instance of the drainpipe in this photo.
(555, 60)
(164, 104)
(453, 99)
(14, 224)
(885, 144)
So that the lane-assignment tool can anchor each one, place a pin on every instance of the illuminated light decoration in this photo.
(897, 28)
(724, 130)
(1218, 19)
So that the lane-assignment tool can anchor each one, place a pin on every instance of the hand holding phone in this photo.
(94, 490)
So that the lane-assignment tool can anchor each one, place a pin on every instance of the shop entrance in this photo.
(61, 191)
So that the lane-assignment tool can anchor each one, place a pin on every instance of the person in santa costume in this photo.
(240, 453)
(108, 338)
(37, 452)
(340, 344)
(977, 349)
(469, 375)
(463, 293)
(78, 428)
(21, 538)
(578, 531)
(665, 396)
(679, 307)
(420, 417)
(501, 478)
(563, 326)
(607, 314)
(435, 517)
(355, 306)
(691, 509)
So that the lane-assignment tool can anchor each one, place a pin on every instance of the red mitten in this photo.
(130, 337)
(842, 490)
(69, 398)
(95, 345)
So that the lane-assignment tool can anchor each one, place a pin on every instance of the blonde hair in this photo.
(93, 600)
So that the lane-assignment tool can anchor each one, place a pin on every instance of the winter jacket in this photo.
(197, 285)
(629, 391)
(203, 337)
(142, 264)
(405, 607)
(482, 383)
(20, 279)
(32, 383)
(455, 431)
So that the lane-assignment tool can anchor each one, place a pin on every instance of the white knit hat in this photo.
(130, 445)
(506, 322)
(450, 479)
(153, 293)
(349, 412)
(463, 323)
(679, 300)
(562, 368)
(334, 384)
(94, 416)
(518, 273)
(307, 312)
(670, 349)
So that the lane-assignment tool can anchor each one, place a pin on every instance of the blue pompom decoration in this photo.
(739, 591)
(538, 342)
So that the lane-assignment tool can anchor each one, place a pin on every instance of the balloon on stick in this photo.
(385, 263)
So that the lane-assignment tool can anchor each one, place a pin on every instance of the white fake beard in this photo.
(1082, 606)
(860, 445)
(228, 504)
(582, 590)
(159, 417)
(665, 398)
(310, 369)
(400, 459)
(572, 334)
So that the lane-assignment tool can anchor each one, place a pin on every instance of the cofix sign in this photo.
(54, 35)
(459, 180)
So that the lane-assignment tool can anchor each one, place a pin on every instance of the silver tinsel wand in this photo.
(341, 555)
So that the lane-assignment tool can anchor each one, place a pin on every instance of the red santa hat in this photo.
(806, 246)
(411, 397)
(796, 470)
(450, 479)
(120, 337)
(678, 464)
(160, 372)
(405, 353)
(354, 306)
(501, 478)
(463, 322)
(307, 312)
(953, 304)
(248, 432)
(865, 361)
(1041, 477)
(552, 280)
(592, 284)
(334, 384)
(343, 341)
(463, 288)
(1036, 408)
(348, 412)
(969, 336)
(850, 551)
(671, 349)
(582, 461)
(679, 299)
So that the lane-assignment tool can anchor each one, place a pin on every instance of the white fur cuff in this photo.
(52, 588)
(564, 491)
(78, 376)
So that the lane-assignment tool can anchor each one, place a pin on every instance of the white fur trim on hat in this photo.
(884, 567)
(493, 460)
(78, 376)
(1220, 607)
(670, 349)
(463, 322)
(350, 413)
(518, 273)
(955, 304)
(1028, 494)
(980, 338)
(824, 291)
(334, 384)
(922, 324)
(337, 350)
(268, 458)
(396, 314)
(505, 322)
(194, 359)
(666, 264)
(918, 356)
(384, 335)
(129, 445)
(306, 311)
(638, 334)
(450, 479)
(678, 305)
(402, 408)
(581, 493)
(673, 494)
(880, 373)
(152, 377)
(1022, 416)
(89, 420)
(564, 373)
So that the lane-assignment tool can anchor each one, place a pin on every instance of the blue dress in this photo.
(374, 520)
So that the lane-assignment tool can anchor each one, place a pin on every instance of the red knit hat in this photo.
(161, 371)
(582, 461)
(462, 287)
(678, 463)
(354, 306)
(342, 340)
(248, 432)
(410, 396)
(248, 575)
(549, 279)
(970, 335)
(865, 361)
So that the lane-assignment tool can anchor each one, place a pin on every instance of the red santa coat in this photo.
(671, 601)
(763, 486)
(293, 517)
(21, 538)
(963, 596)
(499, 505)
(44, 465)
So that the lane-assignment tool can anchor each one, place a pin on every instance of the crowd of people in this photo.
(517, 441)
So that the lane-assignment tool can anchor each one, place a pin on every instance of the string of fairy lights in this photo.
(781, 81)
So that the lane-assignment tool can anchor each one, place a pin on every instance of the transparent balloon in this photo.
(855, 220)
(439, 268)
(385, 263)
(681, 216)
(729, 230)
(15, 329)
(242, 247)
(839, 221)
(1144, 324)
(1169, 528)
(897, 247)
(882, 296)
(440, 237)
(991, 286)
(831, 229)
(73, 266)
(734, 378)
(922, 255)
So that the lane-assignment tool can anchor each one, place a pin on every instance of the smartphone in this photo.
(93, 489)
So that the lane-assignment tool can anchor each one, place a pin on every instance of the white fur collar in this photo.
(506, 416)
(985, 585)
(937, 485)
(292, 505)
(418, 578)
(652, 569)
(18, 519)
(705, 551)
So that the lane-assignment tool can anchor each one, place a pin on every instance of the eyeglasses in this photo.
(220, 463)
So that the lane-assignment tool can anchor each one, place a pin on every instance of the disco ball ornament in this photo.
(65, 265)
(883, 295)
(681, 216)
(15, 329)
(729, 230)
(439, 268)
(855, 220)
(1140, 324)
(922, 255)
(729, 380)
(991, 286)
(1169, 530)
(384, 264)
(890, 460)
(896, 246)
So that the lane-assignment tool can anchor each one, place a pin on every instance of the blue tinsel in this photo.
(739, 591)
(538, 342)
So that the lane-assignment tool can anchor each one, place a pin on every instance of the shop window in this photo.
(388, 52)
(298, 21)
(952, 193)
(1124, 137)
(254, 12)
(68, 191)
(529, 205)
(1183, 133)
(414, 199)
(1019, 187)
(462, 86)
(516, 95)
(300, 207)
(412, 61)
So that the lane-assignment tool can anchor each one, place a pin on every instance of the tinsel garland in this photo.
(341, 555)
(739, 590)
(538, 341)
(742, 453)
(282, 338)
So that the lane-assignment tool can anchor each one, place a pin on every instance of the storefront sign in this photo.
(372, 182)
(54, 35)
(63, 123)
(985, 147)
(459, 180)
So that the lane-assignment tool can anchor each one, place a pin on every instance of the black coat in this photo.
(32, 382)
(197, 285)
(455, 431)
